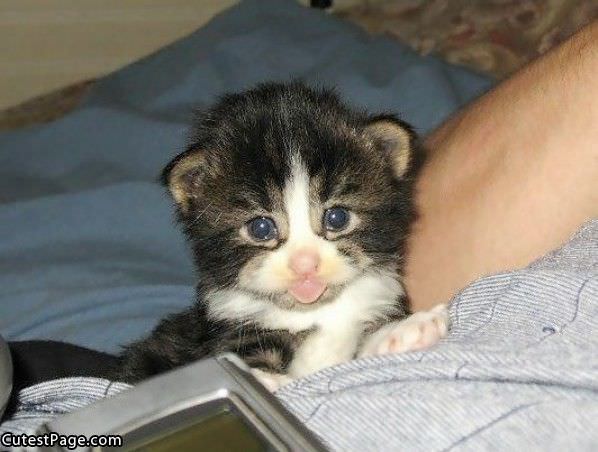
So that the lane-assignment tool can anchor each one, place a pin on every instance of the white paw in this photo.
(271, 381)
(416, 332)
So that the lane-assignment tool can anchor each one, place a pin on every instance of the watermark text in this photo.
(53, 439)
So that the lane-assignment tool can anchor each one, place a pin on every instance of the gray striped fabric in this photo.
(518, 371)
(40, 403)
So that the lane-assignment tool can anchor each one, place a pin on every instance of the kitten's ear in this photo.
(181, 176)
(395, 139)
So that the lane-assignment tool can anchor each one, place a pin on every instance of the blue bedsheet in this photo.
(89, 252)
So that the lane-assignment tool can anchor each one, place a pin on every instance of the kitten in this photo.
(297, 209)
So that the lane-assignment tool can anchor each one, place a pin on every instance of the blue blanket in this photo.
(89, 252)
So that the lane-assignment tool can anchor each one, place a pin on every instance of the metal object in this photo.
(5, 375)
(215, 401)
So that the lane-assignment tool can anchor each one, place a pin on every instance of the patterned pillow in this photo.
(493, 36)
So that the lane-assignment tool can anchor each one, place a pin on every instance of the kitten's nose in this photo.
(304, 262)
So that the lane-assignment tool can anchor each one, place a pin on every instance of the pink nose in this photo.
(304, 262)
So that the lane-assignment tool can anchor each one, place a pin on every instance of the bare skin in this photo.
(510, 177)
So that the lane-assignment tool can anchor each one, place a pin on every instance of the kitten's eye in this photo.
(336, 219)
(262, 229)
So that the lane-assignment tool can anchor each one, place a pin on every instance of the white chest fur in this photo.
(338, 324)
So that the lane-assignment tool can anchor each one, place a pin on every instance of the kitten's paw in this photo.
(416, 332)
(271, 381)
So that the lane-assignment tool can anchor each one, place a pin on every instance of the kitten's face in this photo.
(289, 196)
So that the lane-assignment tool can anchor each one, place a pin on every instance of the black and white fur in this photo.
(288, 153)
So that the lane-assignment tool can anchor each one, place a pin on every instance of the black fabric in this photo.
(38, 361)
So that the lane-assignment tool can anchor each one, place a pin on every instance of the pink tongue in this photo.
(308, 290)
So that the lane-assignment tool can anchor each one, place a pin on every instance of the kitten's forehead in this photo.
(261, 137)
(333, 165)
(297, 198)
